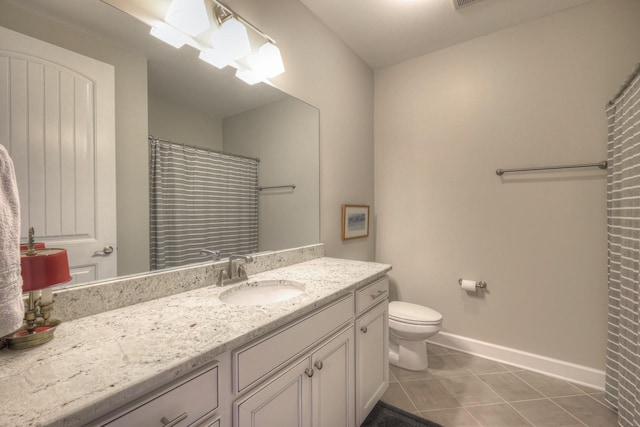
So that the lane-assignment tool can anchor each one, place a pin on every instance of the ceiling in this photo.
(387, 32)
(381, 32)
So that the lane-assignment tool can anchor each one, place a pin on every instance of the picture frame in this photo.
(355, 221)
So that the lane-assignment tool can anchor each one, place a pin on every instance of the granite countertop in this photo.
(99, 363)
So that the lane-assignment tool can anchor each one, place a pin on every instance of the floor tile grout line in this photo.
(580, 392)
(569, 412)
(544, 397)
(542, 393)
(408, 397)
(490, 388)
(549, 398)
(472, 417)
(508, 403)
(603, 404)
(521, 414)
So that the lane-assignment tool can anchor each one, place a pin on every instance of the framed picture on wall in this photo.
(355, 221)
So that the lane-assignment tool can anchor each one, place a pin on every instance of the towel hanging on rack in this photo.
(11, 304)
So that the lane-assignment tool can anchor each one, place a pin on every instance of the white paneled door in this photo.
(57, 122)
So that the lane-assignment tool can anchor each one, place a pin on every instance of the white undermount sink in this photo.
(262, 292)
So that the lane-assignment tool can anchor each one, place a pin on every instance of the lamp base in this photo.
(23, 338)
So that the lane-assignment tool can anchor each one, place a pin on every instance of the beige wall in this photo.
(178, 123)
(284, 135)
(444, 122)
(324, 72)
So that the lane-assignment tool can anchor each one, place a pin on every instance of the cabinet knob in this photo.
(309, 372)
(318, 364)
(175, 421)
(364, 329)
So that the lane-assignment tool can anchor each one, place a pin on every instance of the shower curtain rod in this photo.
(210, 150)
(601, 165)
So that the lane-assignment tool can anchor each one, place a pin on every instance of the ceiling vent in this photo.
(463, 3)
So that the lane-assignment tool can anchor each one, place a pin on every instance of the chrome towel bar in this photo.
(292, 186)
(601, 165)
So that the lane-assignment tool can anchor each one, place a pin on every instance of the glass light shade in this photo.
(267, 61)
(189, 16)
(169, 35)
(249, 77)
(232, 39)
(215, 58)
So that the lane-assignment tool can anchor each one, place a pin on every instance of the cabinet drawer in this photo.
(258, 359)
(371, 294)
(195, 397)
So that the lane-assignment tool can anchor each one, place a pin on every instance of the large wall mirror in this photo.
(171, 94)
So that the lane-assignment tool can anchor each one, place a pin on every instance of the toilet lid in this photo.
(413, 313)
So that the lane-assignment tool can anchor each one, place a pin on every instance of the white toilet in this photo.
(409, 326)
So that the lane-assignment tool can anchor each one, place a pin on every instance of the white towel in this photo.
(11, 304)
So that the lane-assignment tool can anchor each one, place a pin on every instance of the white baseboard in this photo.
(533, 362)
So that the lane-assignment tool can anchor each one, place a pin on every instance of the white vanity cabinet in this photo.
(189, 401)
(326, 370)
(314, 391)
(372, 346)
(310, 363)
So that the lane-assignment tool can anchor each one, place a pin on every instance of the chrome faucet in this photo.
(213, 254)
(237, 274)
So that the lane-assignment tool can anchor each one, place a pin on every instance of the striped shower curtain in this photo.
(200, 199)
(623, 225)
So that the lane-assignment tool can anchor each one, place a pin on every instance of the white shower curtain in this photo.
(623, 225)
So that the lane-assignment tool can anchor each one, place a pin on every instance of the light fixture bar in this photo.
(244, 21)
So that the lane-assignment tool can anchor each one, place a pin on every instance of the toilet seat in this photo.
(413, 314)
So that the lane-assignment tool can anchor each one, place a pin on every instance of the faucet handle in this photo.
(213, 254)
(245, 258)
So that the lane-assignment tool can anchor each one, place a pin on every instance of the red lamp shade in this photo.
(46, 267)
(25, 246)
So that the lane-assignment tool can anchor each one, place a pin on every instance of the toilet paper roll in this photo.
(469, 285)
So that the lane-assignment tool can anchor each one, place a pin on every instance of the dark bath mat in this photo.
(384, 415)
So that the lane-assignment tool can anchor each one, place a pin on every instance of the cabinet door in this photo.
(333, 391)
(372, 359)
(282, 402)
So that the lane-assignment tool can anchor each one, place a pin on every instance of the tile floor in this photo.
(462, 390)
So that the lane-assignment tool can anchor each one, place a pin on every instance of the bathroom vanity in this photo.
(316, 359)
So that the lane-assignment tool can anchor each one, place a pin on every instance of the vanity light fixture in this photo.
(248, 76)
(169, 35)
(267, 61)
(232, 40)
(229, 42)
(216, 58)
(264, 64)
(189, 16)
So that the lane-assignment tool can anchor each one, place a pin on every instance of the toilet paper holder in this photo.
(479, 285)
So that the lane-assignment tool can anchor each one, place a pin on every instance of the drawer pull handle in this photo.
(318, 364)
(378, 294)
(309, 372)
(174, 422)
(364, 329)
